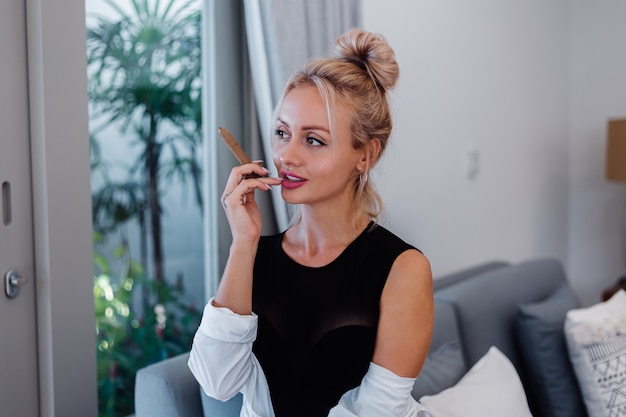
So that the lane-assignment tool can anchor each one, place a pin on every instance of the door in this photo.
(19, 391)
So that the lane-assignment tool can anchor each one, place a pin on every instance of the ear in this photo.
(370, 155)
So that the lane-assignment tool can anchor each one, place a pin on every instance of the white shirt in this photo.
(222, 361)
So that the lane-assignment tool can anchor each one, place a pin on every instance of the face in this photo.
(317, 167)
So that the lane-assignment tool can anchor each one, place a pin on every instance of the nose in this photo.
(288, 153)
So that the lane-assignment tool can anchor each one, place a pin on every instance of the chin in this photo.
(293, 197)
(289, 198)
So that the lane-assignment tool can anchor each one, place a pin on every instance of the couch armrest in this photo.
(452, 278)
(217, 408)
(167, 389)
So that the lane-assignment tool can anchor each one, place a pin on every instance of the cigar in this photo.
(235, 148)
(233, 145)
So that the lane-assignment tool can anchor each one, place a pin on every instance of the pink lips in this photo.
(291, 180)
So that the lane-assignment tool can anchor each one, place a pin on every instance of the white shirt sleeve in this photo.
(381, 393)
(222, 361)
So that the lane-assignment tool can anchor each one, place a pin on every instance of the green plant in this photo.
(144, 76)
(128, 340)
(144, 79)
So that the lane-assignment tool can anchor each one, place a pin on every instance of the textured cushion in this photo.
(596, 341)
(491, 388)
(552, 390)
(442, 369)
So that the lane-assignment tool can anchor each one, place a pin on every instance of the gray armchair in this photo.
(169, 389)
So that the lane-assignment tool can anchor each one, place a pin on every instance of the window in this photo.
(144, 71)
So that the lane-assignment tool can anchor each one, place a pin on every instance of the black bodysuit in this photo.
(317, 326)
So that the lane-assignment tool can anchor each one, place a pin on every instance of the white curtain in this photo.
(282, 35)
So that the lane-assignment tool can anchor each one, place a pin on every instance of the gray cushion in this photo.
(453, 278)
(445, 327)
(167, 389)
(486, 305)
(217, 408)
(553, 388)
(444, 365)
(442, 369)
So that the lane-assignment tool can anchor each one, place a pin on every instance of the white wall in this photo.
(597, 92)
(487, 75)
(528, 85)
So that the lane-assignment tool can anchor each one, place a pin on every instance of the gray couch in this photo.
(474, 309)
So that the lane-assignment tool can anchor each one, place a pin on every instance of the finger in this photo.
(244, 191)
(248, 185)
(253, 170)
(233, 200)
(256, 174)
(237, 175)
(257, 170)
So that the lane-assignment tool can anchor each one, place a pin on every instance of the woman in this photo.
(334, 315)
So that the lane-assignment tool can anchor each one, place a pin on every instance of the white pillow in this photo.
(596, 342)
(491, 388)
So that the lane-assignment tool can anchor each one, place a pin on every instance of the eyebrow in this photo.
(311, 127)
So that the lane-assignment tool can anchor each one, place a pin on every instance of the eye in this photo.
(314, 141)
(281, 134)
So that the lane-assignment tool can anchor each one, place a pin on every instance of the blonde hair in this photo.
(358, 76)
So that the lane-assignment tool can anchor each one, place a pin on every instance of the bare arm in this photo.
(244, 218)
(406, 316)
(221, 357)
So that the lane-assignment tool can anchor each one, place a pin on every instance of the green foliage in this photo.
(128, 340)
(147, 61)
(144, 78)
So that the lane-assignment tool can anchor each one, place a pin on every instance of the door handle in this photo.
(13, 281)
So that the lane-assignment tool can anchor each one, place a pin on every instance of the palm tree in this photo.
(145, 76)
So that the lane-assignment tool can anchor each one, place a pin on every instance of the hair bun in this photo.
(372, 53)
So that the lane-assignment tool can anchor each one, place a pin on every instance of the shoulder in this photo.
(382, 238)
(410, 276)
(411, 271)
(406, 259)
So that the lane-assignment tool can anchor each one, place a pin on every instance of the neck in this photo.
(319, 237)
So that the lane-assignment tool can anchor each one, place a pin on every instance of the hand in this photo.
(242, 211)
